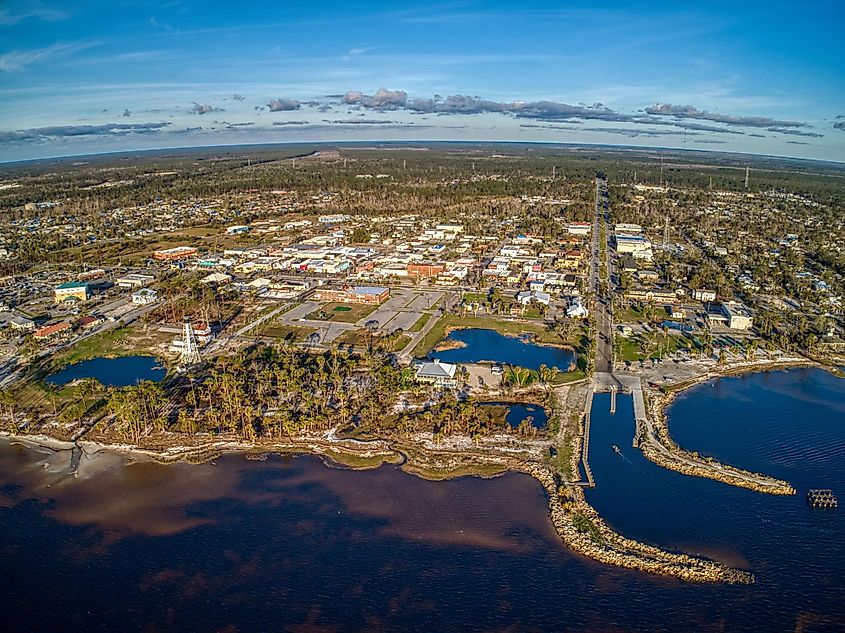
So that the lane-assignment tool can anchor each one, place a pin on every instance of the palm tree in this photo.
(546, 375)
(8, 400)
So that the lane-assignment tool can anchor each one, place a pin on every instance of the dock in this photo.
(585, 444)
(822, 499)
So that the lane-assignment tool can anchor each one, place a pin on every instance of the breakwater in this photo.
(583, 530)
(653, 438)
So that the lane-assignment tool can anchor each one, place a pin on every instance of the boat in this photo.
(616, 450)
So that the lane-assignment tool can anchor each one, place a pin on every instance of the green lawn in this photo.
(343, 312)
(632, 351)
(475, 296)
(420, 323)
(628, 315)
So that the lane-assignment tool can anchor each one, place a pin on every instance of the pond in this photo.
(488, 345)
(517, 412)
(111, 372)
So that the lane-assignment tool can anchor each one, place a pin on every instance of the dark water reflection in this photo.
(488, 345)
(290, 545)
(112, 372)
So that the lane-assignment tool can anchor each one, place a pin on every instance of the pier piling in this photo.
(822, 499)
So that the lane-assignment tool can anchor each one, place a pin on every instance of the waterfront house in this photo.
(436, 373)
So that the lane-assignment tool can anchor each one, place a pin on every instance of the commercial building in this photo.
(651, 295)
(425, 269)
(73, 291)
(372, 295)
(134, 280)
(738, 316)
(626, 243)
(623, 227)
(144, 296)
(50, 331)
(175, 254)
(578, 228)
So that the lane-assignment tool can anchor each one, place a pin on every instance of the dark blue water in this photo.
(790, 424)
(518, 412)
(112, 372)
(489, 345)
(287, 544)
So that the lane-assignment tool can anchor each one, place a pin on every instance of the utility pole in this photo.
(747, 171)
(553, 172)
(666, 231)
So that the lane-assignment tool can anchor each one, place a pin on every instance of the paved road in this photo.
(601, 307)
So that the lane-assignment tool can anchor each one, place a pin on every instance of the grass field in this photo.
(632, 349)
(342, 312)
(420, 323)
(115, 342)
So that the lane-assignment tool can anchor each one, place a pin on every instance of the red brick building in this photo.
(425, 269)
(373, 295)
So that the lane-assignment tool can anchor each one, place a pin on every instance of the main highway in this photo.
(601, 291)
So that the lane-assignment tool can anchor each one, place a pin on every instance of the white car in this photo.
(497, 370)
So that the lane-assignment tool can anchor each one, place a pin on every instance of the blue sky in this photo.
(90, 76)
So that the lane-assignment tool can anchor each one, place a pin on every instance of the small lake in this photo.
(489, 345)
(111, 372)
(518, 412)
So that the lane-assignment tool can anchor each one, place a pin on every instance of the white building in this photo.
(134, 280)
(704, 295)
(578, 228)
(334, 219)
(623, 227)
(576, 309)
(738, 316)
(436, 373)
(144, 296)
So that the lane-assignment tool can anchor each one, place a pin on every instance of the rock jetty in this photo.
(657, 445)
(582, 529)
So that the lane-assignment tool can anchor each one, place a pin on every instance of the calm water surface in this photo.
(112, 372)
(518, 412)
(288, 544)
(489, 345)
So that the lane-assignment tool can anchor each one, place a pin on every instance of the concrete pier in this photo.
(585, 444)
